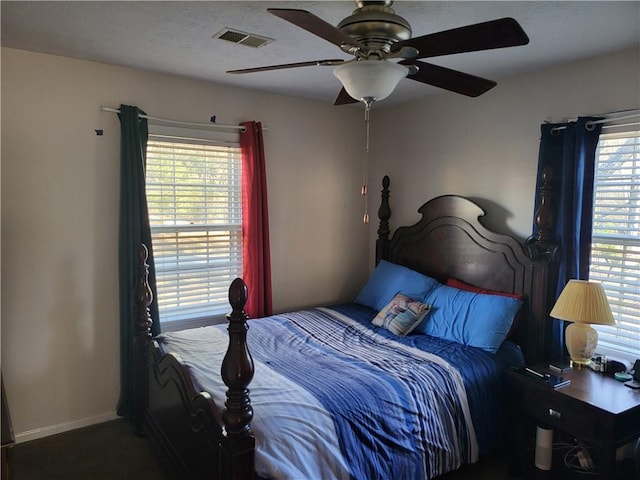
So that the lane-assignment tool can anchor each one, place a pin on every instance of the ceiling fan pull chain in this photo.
(364, 191)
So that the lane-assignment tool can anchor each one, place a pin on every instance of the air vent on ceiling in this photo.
(242, 38)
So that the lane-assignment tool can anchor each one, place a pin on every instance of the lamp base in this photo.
(581, 340)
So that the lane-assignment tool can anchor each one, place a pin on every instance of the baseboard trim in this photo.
(63, 427)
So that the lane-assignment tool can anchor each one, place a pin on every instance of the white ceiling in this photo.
(176, 37)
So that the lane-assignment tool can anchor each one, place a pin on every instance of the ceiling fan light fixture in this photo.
(370, 79)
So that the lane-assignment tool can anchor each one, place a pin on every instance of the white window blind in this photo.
(195, 210)
(615, 253)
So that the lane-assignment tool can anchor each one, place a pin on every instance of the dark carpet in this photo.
(107, 451)
(110, 451)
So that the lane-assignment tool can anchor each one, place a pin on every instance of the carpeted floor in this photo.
(490, 468)
(107, 451)
(110, 451)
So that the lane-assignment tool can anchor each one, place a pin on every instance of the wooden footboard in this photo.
(180, 420)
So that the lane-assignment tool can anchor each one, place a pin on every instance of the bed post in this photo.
(237, 371)
(543, 243)
(543, 249)
(384, 214)
(143, 296)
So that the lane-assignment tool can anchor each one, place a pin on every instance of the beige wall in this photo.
(60, 218)
(487, 147)
(60, 187)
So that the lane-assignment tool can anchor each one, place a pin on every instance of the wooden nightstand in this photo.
(594, 408)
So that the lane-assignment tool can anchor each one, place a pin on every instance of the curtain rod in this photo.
(179, 122)
(608, 120)
(613, 117)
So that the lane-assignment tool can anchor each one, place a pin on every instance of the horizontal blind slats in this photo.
(615, 253)
(195, 209)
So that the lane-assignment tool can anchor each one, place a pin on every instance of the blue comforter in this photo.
(336, 397)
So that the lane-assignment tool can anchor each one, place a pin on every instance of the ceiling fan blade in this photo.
(312, 63)
(448, 79)
(311, 23)
(344, 98)
(504, 32)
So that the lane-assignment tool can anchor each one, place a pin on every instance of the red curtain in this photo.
(255, 222)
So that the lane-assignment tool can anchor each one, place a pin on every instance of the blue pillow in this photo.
(388, 279)
(475, 319)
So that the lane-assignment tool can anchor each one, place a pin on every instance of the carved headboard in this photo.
(450, 242)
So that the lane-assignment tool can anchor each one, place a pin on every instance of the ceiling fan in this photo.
(376, 36)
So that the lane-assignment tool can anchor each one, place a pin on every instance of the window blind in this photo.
(615, 253)
(195, 209)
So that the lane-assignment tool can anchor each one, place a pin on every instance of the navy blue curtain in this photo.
(569, 149)
(134, 229)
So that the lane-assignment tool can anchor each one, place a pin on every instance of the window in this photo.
(615, 252)
(195, 209)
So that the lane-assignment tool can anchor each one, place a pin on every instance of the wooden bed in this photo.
(196, 440)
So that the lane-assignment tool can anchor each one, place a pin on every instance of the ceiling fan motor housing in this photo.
(376, 25)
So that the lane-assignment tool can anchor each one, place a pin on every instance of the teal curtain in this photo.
(570, 150)
(134, 230)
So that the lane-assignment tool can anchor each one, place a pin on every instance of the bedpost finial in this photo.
(384, 214)
(543, 243)
(238, 294)
(544, 215)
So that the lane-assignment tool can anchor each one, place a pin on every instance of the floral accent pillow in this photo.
(401, 315)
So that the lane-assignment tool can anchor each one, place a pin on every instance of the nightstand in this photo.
(594, 408)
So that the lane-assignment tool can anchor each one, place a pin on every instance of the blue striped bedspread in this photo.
(336, 397)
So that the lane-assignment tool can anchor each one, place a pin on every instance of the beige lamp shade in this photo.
(582, 301)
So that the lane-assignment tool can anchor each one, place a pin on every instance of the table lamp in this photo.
(583, 303)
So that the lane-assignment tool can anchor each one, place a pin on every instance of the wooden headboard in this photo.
(450, 242)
